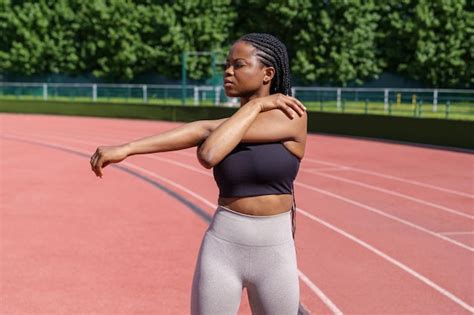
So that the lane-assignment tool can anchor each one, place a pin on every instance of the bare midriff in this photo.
(258, 205)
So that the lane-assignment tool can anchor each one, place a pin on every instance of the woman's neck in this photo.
(245, 99)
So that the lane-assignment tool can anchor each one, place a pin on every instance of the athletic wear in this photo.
(246, 251)
(255, 252)
(254, 169)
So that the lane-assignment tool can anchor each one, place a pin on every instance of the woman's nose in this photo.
(229, 71)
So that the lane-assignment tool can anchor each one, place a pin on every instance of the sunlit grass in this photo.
(458, 110)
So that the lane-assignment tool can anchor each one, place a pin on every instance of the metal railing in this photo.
(440, 103)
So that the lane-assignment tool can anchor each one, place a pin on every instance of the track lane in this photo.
(298, 195)
(456, 205)
(321, 156)
(244, 307)
(65, 236)
(395, 162)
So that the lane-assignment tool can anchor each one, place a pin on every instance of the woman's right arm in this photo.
(189, 135)
(183, 137)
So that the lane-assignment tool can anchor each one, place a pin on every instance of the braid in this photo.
(272, 53)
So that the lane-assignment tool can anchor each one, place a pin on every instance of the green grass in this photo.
(461, 111)
(456, 111)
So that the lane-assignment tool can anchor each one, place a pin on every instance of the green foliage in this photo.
(115, 39)
(428, 40)
(329, 42)
(199, 26)
(108, 38)
(337, 46)
(35, 39)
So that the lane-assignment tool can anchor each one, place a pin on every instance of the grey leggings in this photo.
(256, 252)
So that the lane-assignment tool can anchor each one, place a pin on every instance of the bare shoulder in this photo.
(276, 126)
(298, 126)
(273, 126)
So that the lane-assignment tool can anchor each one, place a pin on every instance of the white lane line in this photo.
(390, 192)
(457, 233)
(413, 182)
(149, 156)
(392, 260)
(322, 296)
(380, 212)
(312, 286)
(325, 192)
(351, 201)
(397, 263)
(324, 169)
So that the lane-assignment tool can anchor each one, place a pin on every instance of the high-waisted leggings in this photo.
(255, 252)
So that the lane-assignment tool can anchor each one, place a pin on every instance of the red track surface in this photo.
(382, 228)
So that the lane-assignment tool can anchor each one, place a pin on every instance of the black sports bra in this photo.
(254, 169)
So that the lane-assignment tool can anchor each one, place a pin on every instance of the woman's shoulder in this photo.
(298, 124)
(276, 126)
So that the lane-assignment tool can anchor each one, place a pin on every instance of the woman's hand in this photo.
(105, 155)
(286, 103)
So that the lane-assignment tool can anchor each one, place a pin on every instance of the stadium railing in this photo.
(436, 103)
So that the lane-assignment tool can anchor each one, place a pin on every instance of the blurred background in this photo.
(408, 57)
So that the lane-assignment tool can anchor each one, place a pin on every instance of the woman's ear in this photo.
(269, 74)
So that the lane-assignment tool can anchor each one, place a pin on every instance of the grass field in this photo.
(456, 111)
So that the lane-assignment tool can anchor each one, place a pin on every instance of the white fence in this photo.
(214, 95)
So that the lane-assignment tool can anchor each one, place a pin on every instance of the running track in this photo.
(382, 228)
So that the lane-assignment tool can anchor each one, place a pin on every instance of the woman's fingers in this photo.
(301, 108)
(92, 161)
(289, 110)
(293, 105)
(99, 166)
(96, 163)
(286, 106)
(298, 102)
(106, 155)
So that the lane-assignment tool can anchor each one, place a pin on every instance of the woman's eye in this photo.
(236, 66)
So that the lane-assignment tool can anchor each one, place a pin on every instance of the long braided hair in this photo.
(272, 53)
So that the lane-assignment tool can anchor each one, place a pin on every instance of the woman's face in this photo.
(244, 74)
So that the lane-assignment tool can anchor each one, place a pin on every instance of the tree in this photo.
(199, 26)
(427, 40)
(109, 38)
(330, 42)
(113, 39)
(34, 39)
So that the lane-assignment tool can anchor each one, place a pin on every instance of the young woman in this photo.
(255, 156)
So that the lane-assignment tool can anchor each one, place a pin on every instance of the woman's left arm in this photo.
(227, 135)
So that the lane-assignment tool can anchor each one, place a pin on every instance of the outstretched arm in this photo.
(182, 137)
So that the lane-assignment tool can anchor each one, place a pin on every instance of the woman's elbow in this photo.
(205, 163)
(205, 158)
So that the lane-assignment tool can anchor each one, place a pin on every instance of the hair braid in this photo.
(272, 53)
